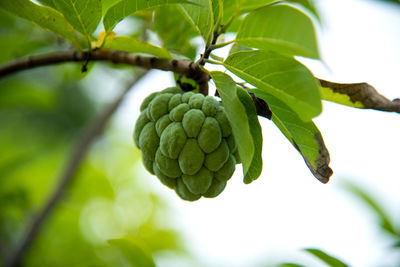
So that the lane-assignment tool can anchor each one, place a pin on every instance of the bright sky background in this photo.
(287, 209)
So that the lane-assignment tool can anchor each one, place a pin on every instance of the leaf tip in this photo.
(322, 172)
(320, 169)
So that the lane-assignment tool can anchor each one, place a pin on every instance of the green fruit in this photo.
(186, 141)
(200, 182)
(210, 135)
(159, 106)
(173, 138)
(216, 159)
(192, 122)
(177, 113)
(191, 157)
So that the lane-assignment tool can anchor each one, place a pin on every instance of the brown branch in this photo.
(67, 176)
(183, 67)
(363, 93)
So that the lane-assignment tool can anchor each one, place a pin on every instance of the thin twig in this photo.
(213, 62)
(67, 176)
(219, 45)
(184, 67)
(208, 49)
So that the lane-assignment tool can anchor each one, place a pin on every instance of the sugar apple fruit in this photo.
(186, 141)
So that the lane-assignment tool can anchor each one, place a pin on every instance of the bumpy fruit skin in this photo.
(186, 141)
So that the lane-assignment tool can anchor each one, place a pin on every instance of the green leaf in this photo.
(132, 45)
(238, 7)
(304, 136)
(244, 5)
(44, 17)
(329, 260)
(280, 28)
(201, 17)
(382, 216)
(236, 48)
(106, 4)
(280, 76)
(247, 5)
(229, 9)
(245, 126)
(49, 3)
(134, 252)
(178, 40)
(309, 5)
(84, 15)
(255, 129)
(124, 8)
(218, 11)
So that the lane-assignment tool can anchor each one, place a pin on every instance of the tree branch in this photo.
(209, 49)
(364, 94)
(67, 176)
(183, 67)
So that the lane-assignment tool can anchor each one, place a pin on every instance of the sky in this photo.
(286, 210)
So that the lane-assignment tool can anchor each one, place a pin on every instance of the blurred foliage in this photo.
(174, 40)
(389, 228)
(384, 220)
(326, 258)
(20, 38)
(391, 1)
(288, 264)
(42, 113)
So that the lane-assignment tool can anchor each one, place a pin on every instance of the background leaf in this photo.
(134, 252)
(280, 76)
(25, 40)
(129, 44)
(84, 15)
(331, 261)
(44, 17)
(280, 28)
(382, 216)
(201, 17)
(289, 264)
(124, 8)
(245, 126)
(178, 40)
(304, 136)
